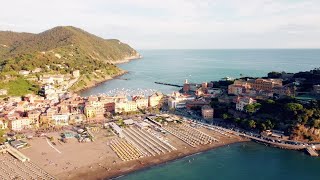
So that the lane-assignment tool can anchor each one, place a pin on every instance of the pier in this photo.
(168, 84)
(15, 153)
(312, 151)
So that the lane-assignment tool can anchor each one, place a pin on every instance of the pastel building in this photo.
(3, 124)
(127, 106)
(236, 89)
(141, 101)
(60, 119)
(19, 124)
(155, 99)
(177, 100)
(94, 112)
(34, 116)
(207, 112)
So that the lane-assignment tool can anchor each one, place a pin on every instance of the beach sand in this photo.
(96, 160)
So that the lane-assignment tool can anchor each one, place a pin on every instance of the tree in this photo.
(269, 124)
(226, 116)
(252, 108)
(262, 127)
(251, 124)
(274, 74)
(293, 107)
(2, 139)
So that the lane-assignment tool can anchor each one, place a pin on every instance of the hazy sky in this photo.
(178, 24)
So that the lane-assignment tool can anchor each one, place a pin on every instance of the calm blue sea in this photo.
(245, 161)
(174, 66)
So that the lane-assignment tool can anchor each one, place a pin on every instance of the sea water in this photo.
(175, 66)
(242, 161)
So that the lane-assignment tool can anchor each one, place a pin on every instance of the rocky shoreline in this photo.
(108, 78)
(97, 82)
(128, 59)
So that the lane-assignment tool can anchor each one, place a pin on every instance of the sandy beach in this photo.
(96, 160)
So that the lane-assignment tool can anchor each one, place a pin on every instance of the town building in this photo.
(76, 73)
(3, 124)
(316, 89)
(94, 112)
(236, 89)
(77, 118)
(190, 87)
(34, 116)
(204, 85)
(110, 107)
(36, 70)
(60, 119)
(141, 101)
(257, 84)
(22, 106)
(155, 99)
(194, 104)
(207, 112)
(19, 124)
(178, 100)
(130, 106)
(241, 102)
(186, 86)
(266, 84)
(24, 72)
(3, 92)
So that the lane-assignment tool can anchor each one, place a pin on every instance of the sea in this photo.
(242, 161)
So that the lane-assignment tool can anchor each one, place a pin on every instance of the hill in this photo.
(62, 50)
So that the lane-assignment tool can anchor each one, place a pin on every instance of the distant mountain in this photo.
(65, 37)
(62, 50)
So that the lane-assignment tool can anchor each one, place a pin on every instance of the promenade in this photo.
(309, 148)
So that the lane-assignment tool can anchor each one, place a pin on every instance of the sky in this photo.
(175, 24)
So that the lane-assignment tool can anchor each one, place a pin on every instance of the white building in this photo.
(19, 124)
(177, 100)
(243, 101)
(60, 119)
(24, 73)
(116, 128)
(76, 73)
(3, 92)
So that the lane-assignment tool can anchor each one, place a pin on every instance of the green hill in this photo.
(62, 50)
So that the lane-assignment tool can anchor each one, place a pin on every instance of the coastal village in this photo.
(48, 130)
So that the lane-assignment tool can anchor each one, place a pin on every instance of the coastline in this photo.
(128, 59)
(175, 159)
(97, 171)
(97, 82)
(123, 72)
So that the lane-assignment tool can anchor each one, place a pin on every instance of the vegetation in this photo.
(61, 50)
(283, 114)
(19, 87)
(2, 139)
(252, 108)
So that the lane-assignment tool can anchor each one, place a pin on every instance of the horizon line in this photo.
(228, 48)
